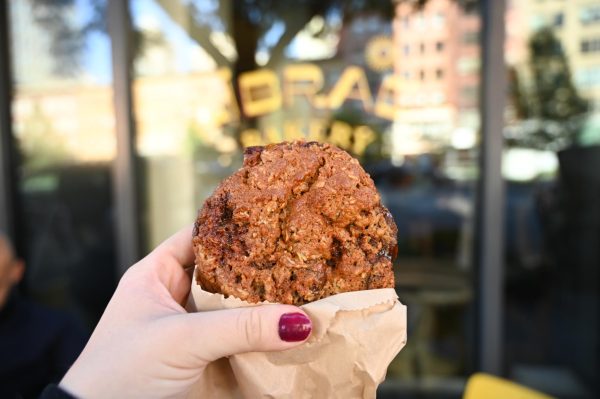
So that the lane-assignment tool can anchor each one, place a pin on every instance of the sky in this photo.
(146, 14)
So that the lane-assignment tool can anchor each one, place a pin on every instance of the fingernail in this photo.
(294, 327)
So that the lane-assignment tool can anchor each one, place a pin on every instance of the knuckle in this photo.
(252, 327)
(133, 277)
(128, 277)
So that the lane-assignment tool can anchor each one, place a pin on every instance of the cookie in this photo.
(298, 222)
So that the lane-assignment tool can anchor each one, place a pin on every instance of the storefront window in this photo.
(63, 124)
(214, 76)
(396, 83)
(552, 171)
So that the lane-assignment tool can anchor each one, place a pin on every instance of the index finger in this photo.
(169, 261)
(177, 248)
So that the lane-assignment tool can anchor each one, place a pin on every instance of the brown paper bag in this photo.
(355, 337)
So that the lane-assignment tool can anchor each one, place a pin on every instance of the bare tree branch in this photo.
(184, 17)
(293, 24)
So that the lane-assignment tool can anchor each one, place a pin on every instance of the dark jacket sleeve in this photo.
(53, 391)
(68, 344)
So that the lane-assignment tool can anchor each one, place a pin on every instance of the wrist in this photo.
(53, 391)
(77, 383)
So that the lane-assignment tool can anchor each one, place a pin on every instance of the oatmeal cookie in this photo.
(298, 222)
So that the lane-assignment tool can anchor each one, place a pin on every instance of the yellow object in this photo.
(379, 53)
(485, 386)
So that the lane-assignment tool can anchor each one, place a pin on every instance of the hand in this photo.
(147, 345)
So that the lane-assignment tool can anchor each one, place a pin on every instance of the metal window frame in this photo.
(125, 176)
(125, 182)
(490, 209)
(7, 180)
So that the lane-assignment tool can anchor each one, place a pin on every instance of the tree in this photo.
(550, 107)
(40, 145)
(251, 21)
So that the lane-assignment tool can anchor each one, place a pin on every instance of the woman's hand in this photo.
(147, 345)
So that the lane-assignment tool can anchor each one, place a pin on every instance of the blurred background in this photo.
(479, 122)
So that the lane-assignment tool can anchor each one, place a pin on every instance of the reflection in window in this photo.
(469, 94)
(438, 20)
(558, 19)
(470, 38)
(589, 76)
(420, 21)
(468, 65)
(590, 45)
(64, 127)
(321, 35)
(60, 72)
(589, 14)
(552, 149)
(437, 97)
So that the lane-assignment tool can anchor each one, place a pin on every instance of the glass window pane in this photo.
(552, 171)
(63, 124)
(394, 83)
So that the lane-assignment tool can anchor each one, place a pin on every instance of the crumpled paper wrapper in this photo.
(355, 336)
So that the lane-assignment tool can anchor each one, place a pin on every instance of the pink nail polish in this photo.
(294, 327)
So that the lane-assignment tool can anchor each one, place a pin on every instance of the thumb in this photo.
(263, 328)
